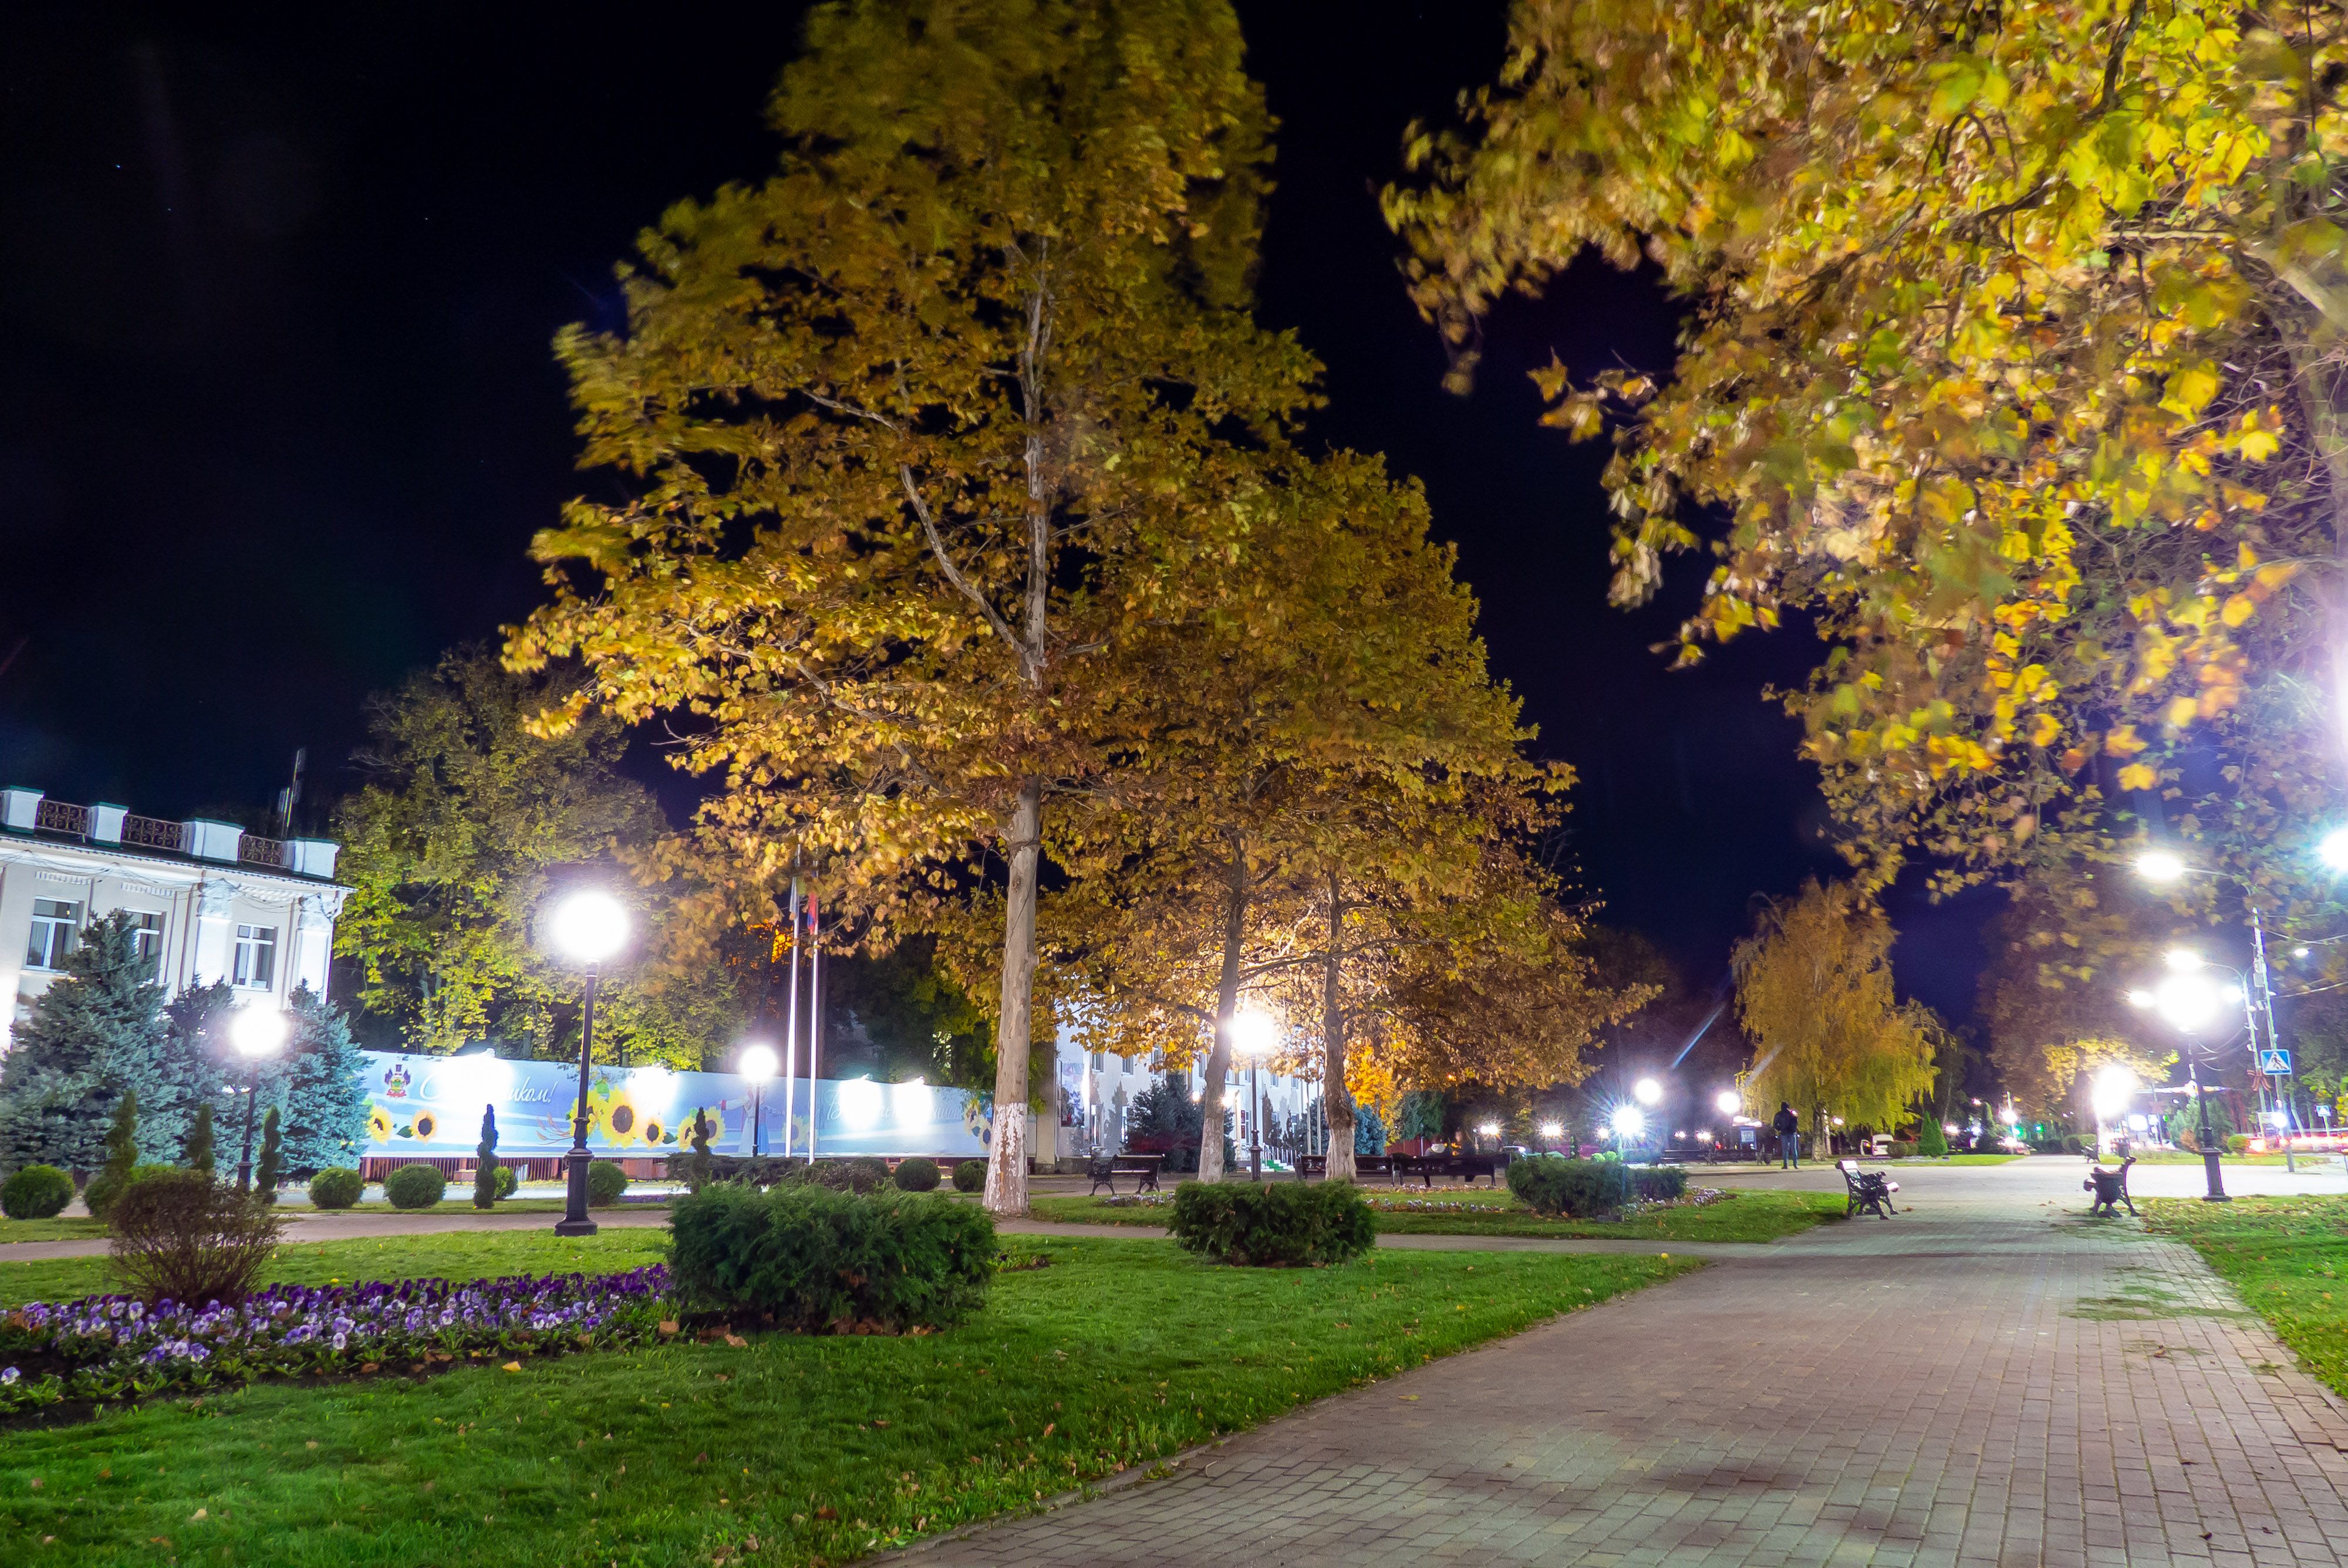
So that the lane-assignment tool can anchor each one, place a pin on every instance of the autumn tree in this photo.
(1814, 994)
(2054, 994)
(2015, 365)
(912, 433)
(464, 825)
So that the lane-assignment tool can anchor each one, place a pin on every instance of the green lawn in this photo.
(2186, 1157)
(62, 1228)
(1754, 1216)
(1116, 1354)
(2284, 1257)
(456, 1254)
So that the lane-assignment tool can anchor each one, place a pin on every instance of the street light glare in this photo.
(1647, 1092)
(2140, 998)
(1728, 1103)
(1628, 1121)
(1253, 1033)
(589, 927)
(2333, 850)
(1489, 1129)
(2183, 960)
(758, 1063)
(2112, 1087)
(2160, 866)
(1552, 1129)
(257, 1032)
(2188, 1002)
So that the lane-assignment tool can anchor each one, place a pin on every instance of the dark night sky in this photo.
(278, 415)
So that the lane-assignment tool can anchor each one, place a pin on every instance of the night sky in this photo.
(278, 415)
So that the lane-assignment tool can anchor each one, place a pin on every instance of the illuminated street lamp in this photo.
(2189, 1002)
(760, 1066)
(2333, 850)
(1728, 1103)
(1253, 1034)
(2113, 1088)
(1552, 1131)
(1630, 1123)
(1647, 1092)
(587, 929)
(258, 1032)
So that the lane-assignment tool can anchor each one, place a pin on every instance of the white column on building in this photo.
(215, 936)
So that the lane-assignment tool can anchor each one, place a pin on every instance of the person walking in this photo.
(1789, 1137)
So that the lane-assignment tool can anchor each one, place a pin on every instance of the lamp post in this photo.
(1252, 1034)
(258, 1033)
(587, 929)
(2162, 865)
(758, 1065)
(2190, 1004)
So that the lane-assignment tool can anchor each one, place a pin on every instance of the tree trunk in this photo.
(1227, 1005)
(1337, 1100)
(1006, 1169)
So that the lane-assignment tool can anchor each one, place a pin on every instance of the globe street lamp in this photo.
(1728, 1103)
(758, 1065)
(2191, 1003)
(1552, 1131)
(1252, 1036)
(258, 1032)
(2113, 1087)
(587, 929)
(1628, 1123)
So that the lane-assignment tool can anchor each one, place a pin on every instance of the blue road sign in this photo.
(2275, 1063)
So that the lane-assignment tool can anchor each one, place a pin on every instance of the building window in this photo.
(256, 957)
(146, 938)
(57, 931)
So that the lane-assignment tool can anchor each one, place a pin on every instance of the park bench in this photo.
(1869, 1191)
(2110, 1188)
(1363, 1165)
(1105, 1169)
(1467, 1167)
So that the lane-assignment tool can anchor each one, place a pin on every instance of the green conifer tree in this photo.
(198, 1155)
(270, 1168)
(122, 1138)
(1929, 1139)
(700, 1168)
(485, 1174)
(95, 1033)
(192, 1070)
(325, 1089)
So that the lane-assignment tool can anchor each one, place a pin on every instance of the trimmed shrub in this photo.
(818, 1261)
(1902, 1149)
(917, 1175)
(1555, 1185)
(1288, 1224)
(336, 1187)
(414, 1186)
(2238, 1143)
(970, 1176)
(1658, 1183)
(507, 1180)
(605, 1183)
(105, 1189)
(857, 1175)
(35, 1192)
(1930, 1139)
(178, 1235)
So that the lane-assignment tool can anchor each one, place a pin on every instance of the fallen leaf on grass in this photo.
(513, 1367)
(196, 1515)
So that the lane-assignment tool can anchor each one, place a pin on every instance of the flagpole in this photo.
(815, 1016)
(791, 1026)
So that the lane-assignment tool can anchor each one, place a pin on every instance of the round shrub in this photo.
(337, 1187)
(917, 1175)
(2238, 1143)
(178, 1235)
(1273, 1226)
(820, 1261)
(414, 1186)
(41, 1192)
(1554, 1185)
(1658, 1183)
(507, 1180)
(970, 1176)
(605, 1183)
(104, 1192)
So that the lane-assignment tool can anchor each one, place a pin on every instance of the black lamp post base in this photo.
(2216, 1193)
(574, 1227)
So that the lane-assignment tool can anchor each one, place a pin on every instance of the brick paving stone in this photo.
(1967, 1386)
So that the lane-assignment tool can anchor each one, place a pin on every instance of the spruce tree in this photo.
(122, 1139)
(96, 1032)
(192, 1068)
(199, 1155)
(270, 1168)
(325, 1089)
(1930, 1138)
(700, 1168)
(485, 1173)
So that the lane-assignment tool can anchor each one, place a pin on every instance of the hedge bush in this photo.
(811, 1259)
(1555, 1185)
(605, 1183)
(35, 1192)
(2238, 1143)
(104, 1192)
(1290, 1224)
(337, 1187)
(917, 1175)
(1658, 1183)
(970, 1176)
(414, 1186)
(178, 1235)
(507, 1180)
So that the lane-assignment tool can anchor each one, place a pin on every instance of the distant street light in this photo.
(258, 1032)
(587, 927)
(1728, 1103)
(2160, 866)
(1647, 1092)
(1552, 1131)
(2110, 1094)
(760, 1066)
(1629, 1125)
(2333, 850)
(1252, 1035)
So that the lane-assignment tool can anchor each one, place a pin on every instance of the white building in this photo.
(216, 902)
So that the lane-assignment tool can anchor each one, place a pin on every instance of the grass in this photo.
(1117, 1354)
(1748, 1216)
(64, 1228)
(2284, 1257)
(2186, 1157)
(454, 1255)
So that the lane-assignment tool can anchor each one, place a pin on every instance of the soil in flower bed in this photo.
(1117, 1354)
(1745, 1216)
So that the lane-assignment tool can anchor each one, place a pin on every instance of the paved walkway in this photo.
(1987, 1380)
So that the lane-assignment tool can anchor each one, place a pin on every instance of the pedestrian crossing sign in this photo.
(2275, 1063)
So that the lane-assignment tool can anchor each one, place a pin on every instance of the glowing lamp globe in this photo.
(1489, 1129)
(589, 927)
(257, 1032)
(1647, 1091)
(2160, 866)
(1552, 1129)
(1628, 1121)
(758, 1063)
(1728, 1103)
(2333, 850)
(1253, 1033)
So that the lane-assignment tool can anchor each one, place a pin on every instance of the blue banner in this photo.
(431, 1105)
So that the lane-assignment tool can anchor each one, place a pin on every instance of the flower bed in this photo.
(114, 1348)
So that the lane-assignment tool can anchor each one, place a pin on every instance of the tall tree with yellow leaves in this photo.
(912, 436)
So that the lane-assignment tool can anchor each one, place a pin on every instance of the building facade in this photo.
(213, 901)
